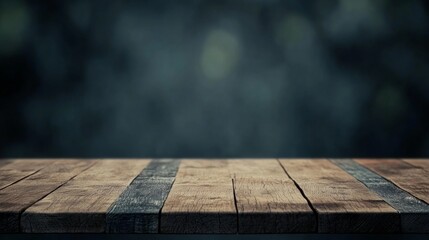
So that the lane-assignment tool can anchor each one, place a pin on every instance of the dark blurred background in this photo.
(238, 78)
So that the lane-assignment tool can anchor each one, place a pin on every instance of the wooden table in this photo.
(214, 195)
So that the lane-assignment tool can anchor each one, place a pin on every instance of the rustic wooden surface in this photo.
(81, 204)
(201, 199)
(267, 199)
(422, 163)
(414, 213)
(342, 203)
(214, 195)
(412, 179)
(137, 209)
(15, 198)
(19, 170)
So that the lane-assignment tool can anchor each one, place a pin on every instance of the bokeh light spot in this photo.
(220, 54)
(14, 21)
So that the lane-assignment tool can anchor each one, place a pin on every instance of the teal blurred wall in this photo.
(214, 78)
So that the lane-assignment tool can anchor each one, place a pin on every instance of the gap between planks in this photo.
(303, 194)
(343, 204)
(201, 199)
(91, 191)
(138, 208)
(413, 179)
(14, 171)
(35, 187)
(414, 213)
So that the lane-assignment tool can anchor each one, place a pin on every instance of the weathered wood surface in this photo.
(214, 196)
(414, 213)
(27, 165)
(412, 179)
(201, 199)
(138, 208)
(343, 204)
(82, 203)
(16, 198)
(5, 162)
(267, 199)
(12, 171)
(422, 163)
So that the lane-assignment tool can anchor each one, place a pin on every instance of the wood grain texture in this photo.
(138, 208)
(214, 196)
(30, 164)
(203, 171)
(81, 204)
(412, 179)
(14, 170)
(10, 176)
(343, 204)
(268, 200)
(19, 196)
(422, 163)
(256, 168)
(4, 162)
(201, 199)
(414, 213)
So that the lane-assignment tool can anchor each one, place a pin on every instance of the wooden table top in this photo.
(214, 195)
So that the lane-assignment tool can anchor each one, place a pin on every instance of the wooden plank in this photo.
(12, 171)
(4, 162)
(422, 163)
(267, 199)
(343, 204)
(256, 168)
(204, 171)
(414, 213)
(201, 199)
(30, 164)
(10, 176)
(412, 179)
(138, 208)
(17, 197)
(81, 204)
